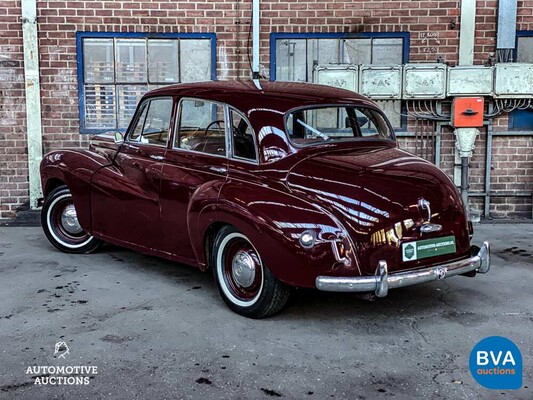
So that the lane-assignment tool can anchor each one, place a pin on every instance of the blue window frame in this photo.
(116, 69)
(522, 119)
(294, 55)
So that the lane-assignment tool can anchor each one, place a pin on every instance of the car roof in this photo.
(274, 96)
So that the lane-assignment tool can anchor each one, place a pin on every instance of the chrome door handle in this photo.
(157, 158)
(220, 170)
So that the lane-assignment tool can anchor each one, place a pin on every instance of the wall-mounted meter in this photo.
(341, 76)
(424, 81)
(467, 112)
(381, 82)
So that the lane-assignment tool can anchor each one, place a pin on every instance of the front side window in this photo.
(201, 127)
(335, 123)
(116, 70)
(153, 125)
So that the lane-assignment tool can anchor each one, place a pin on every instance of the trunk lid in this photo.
(375, 191)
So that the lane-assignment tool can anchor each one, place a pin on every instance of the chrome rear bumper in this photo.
(383, 281)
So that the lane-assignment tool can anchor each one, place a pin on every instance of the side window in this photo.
(136, 133)
(154, 123)
(243, 140)
(201, 127)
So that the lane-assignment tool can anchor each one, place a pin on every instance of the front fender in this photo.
(75, 168)
(273, 221)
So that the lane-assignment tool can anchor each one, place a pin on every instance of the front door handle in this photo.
(157, 158)
(220, 170)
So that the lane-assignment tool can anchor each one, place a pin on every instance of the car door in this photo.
(195, 168)
(125, 196)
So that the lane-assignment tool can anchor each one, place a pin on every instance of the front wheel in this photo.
(245, 284)
(61, 226)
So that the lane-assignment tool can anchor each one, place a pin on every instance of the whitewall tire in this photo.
(60, 224)
(246, 285)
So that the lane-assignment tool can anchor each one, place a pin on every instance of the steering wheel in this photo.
(218, 121)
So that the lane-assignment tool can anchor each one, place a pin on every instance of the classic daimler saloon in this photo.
(272, 186)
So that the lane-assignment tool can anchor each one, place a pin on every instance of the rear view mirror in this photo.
(119, 138)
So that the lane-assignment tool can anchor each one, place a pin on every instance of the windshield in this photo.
(335, 123)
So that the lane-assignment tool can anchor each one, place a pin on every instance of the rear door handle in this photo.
(157, 158)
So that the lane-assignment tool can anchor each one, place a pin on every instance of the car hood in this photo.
(374, 191)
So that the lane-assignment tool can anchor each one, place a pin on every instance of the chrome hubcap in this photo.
(69, 220)
(243, 269)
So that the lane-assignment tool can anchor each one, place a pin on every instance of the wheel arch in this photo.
(273, 226)
(73, 168)
(51, 184)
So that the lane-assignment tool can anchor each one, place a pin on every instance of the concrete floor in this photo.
(159, 330)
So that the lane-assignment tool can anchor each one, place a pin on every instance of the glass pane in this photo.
(98, 61)
(328, 51)
(157, 124)
(291, 63)
(100, 111)
(392, 109)
(136, 133)
(128, 98)
(195, 60)
(130, 60)
(525, 50)
(387, 51)
(243, 140)
(163, 62)
(201, 127)
(322, 124)
(357, 51)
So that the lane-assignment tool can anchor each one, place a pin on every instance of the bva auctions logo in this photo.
(496, 363)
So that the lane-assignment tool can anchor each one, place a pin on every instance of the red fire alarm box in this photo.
(467, 112)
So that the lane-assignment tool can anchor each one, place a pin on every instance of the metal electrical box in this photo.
(341, 76)
(470, 81)
(513, 80)
(381, 82)
(467, 112)
(424, 81)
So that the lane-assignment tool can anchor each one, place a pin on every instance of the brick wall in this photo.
(433, 25)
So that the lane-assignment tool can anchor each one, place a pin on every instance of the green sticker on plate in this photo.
(420, 249)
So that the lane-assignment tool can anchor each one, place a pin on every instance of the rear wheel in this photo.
(245, 284)
(60, 224)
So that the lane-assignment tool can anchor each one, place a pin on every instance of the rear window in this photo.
(317, 125)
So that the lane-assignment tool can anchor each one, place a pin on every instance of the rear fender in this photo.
(274, 221)
(201, 214)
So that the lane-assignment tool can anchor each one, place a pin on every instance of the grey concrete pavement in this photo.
(155, 329)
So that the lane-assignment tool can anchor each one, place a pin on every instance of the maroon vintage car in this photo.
(285, 185)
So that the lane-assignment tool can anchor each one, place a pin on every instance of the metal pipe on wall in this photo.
(467, 33)
(33, 98)
(256, 7)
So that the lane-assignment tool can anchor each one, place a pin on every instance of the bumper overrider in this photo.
(382, 281)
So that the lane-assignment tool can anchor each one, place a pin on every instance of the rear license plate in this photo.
(420, 249)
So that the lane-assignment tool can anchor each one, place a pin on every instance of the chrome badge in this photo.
(440, 273)
(423, 204)
(426, 228)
